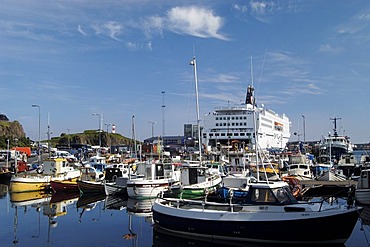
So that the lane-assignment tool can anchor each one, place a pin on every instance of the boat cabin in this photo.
(364, 180)
(156, 170)
(53, 166)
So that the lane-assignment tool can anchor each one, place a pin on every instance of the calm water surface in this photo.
(36, 219)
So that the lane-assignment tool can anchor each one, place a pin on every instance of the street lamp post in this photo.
(97, 114)
(107, 124)
(15, 155)
(69, 143)
(304, 129)
(7, 154)
(152, 123)
(38, 146)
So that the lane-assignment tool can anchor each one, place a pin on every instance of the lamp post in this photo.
(97, 114)
(107, 124)
(304, 129)
(69, 143)
(15, 155)
(38, 146)
(163, 119)
(7, 155)
(152, 123)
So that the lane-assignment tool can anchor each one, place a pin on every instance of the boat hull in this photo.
(258, 227)
(146, 189)
(89, 187)
(362, 196)
(29, 183)
(114, 188)
(68, 186)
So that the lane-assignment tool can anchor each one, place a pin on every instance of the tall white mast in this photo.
(194, 63)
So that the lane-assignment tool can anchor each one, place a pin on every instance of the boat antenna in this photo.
(263, 65)
(335, 125)
(193, 62)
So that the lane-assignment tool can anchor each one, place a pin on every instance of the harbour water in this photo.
(37, 219)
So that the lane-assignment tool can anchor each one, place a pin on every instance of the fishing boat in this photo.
(196, 181)
(116, 177)
(54, 169)
(155, 177)
(335, 145)
(300, 166)
(362, 192)
(268, 213)
(91, 180)
(68, 186)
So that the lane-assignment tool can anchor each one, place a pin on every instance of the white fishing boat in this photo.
(152, 178)
(300, 166)
(362, 192)
(334, 144)
(196, 181)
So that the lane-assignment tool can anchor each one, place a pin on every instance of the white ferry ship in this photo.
(234, 125)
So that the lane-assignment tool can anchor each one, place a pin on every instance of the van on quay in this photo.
(64, 154)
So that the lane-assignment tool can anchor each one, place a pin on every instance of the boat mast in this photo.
(335, 125)
(133, 136)
(254, 120)
(194, 63)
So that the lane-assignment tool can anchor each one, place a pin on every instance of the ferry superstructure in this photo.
(235, 124)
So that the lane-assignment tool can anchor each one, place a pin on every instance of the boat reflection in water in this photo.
(88, 202)
(138, 210)
(39, 219)
(164, 238)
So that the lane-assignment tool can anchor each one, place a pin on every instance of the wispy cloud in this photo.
(357, 23)
(326, 48)
(263, 10)
(111, 28)
(81, 31)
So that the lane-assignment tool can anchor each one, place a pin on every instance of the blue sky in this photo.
(75, 58)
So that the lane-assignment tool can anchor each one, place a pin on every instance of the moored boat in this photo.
(196, 181)
(68, 186)
(151, 179)
(268, 213)
(54, 169)
(362, 192)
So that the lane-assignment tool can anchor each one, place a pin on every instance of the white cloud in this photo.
(195, 21)
(258, 8)
(241, 8)
(329, 49)
(111, 29)
(81, 31)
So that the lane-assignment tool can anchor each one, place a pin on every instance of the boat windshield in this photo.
(280, 195)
